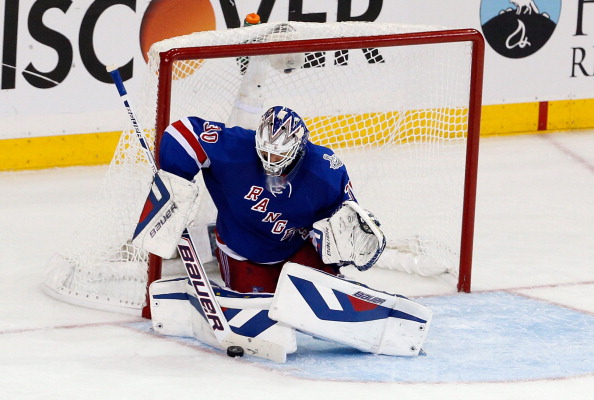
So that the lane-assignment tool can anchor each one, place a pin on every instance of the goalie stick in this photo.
(195, 269)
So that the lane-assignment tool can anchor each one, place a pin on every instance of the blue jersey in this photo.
(256, 224)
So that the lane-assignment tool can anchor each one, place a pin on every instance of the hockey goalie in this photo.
(287, 221)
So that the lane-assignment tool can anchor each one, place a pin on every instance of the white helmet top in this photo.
(280, 139)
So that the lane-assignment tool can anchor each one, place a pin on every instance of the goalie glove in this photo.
(349, 237)
(169, 208)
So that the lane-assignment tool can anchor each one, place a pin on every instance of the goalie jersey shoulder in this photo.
(330, 171)
(191, 144)
(327, 158)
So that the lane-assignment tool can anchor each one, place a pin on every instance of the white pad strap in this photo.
(169, 208)
(350, 236)
(349, 313)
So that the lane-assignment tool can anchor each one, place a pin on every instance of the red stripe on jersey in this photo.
(192, 141)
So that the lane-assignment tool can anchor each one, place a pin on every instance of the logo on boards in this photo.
(519, 28)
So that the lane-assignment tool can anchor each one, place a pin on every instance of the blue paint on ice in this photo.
(478, 337)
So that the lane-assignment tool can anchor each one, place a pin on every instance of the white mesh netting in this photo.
(397, 116)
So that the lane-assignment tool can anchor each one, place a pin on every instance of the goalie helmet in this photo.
(280, 139)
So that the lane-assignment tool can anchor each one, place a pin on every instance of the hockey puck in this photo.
(235, 351)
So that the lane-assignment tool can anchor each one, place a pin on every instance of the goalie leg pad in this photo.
(175, 311)
(169, 207)
(349, 313)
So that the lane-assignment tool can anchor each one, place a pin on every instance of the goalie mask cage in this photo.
(399, 104)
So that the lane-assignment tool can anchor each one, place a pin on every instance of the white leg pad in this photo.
(175, 311)
(349, 313)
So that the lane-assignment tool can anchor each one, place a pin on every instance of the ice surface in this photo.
(526, 331)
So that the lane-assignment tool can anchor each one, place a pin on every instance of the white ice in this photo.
(534, 238)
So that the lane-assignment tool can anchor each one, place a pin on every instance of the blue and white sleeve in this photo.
(181, 152)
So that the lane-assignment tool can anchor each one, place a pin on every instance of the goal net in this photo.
(400, 105)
